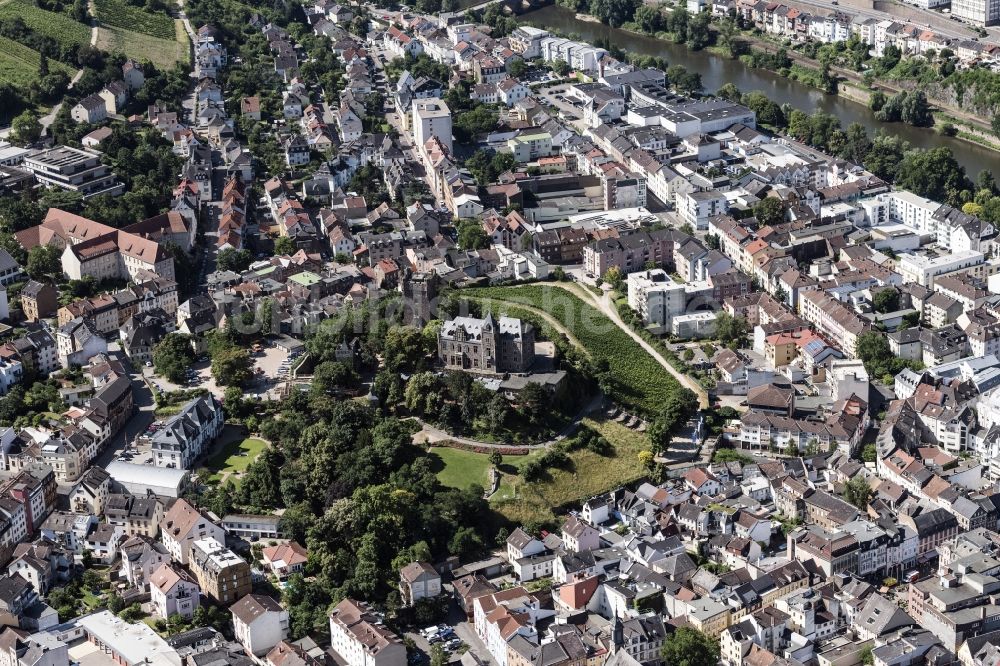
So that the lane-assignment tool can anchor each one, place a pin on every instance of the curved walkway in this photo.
(431, 435)
(606, 306)
(552, 321)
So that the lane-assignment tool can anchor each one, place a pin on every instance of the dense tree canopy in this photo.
(769, 211)
(44, 261)
(284, 245)
(471, 235)
(347, 477)
(229, 259)
(731, 331)
(886, 300)
(874, 351)
(173, 356)
(679, 407)
(857, 492)
(690, 647)
(232, 366)
(479, 120)
(614, 12)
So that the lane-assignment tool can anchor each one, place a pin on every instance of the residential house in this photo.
(418, 580)
(182, 525)
(284, 559)
(260, 623)
(359, 639)
(173, 591)
(186, 436)
(222, 574)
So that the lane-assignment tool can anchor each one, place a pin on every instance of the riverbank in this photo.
(852, 85)
(716, 70)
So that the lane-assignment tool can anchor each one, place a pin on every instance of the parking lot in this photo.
(199, 376)
(139, 451)
(445, 636)
(271, 365)
(569, 108)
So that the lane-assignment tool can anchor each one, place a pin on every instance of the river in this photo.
(716, 71)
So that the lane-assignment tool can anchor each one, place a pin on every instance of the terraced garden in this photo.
(59, 27)
(19, 64)
(120, 14)
(161, 52)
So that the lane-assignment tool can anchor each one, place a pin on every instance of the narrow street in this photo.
(144, 402)
(379, 57)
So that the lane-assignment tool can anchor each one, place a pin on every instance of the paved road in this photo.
(142, 396)
(187, 24)
(467, 632)
(379, 57)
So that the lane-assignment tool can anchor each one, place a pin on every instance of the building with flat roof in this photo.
(73, 169)
(656, 297)
(252, 526)
(432, 118)
(977, 12)
(128, 644)
(923, 268)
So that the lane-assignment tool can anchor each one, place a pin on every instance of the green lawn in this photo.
(462, 468)
(228, 458)
(589, 475)
(91, 600)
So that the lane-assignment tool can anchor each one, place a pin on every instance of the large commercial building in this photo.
(127, 643)
(74, 170)
(97, 250)
(923, 268)
(978, 12)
